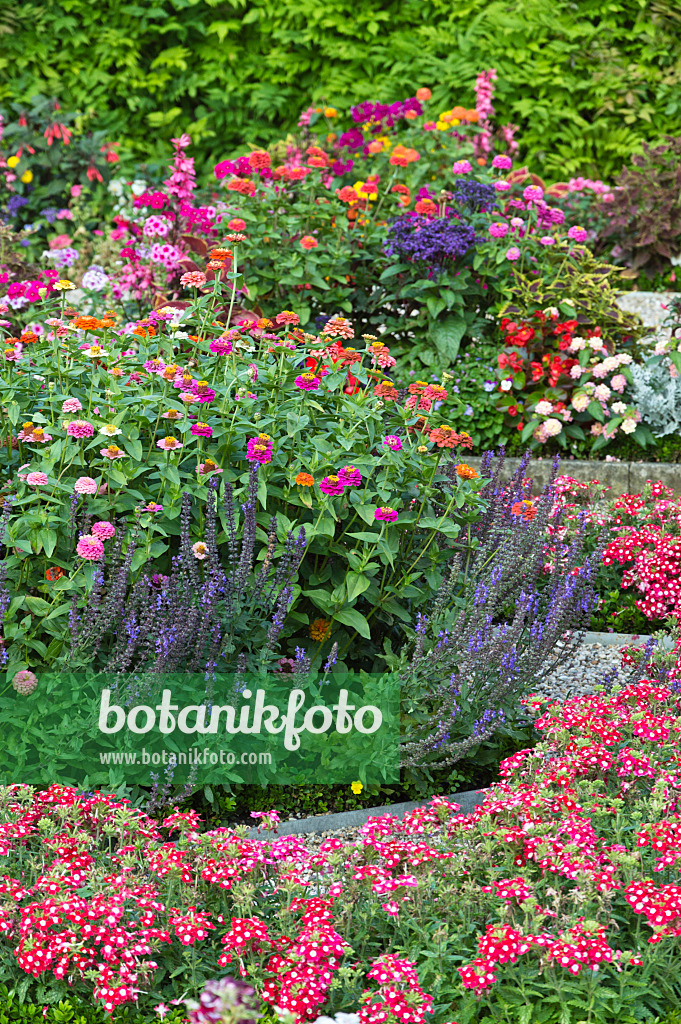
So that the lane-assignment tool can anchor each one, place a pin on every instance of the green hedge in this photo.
(586, 82)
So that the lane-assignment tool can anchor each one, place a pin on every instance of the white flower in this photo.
(602, 393)
(138, 187)
(624, 359)
(543, 408)
(629, 426)
(552, 427)
(506, 385)
(580, 401)
(619, 408)
(577, 344)
(110, 430)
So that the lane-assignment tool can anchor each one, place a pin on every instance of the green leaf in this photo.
(37, 605)
(447, 335)
(396, 268)
(596, 410)
(528, 429)
(134, 449)
(351, 617)
(357, 583)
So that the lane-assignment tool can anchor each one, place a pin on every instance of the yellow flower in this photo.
(63, 286)
(361, 194)
(12, 161)
(320, 629)
(27, 177)
(357, 787)
(442, 126)
(330, 112)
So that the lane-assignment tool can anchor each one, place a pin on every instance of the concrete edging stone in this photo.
(622, 477)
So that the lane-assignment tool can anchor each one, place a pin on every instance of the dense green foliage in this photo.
(586, 82)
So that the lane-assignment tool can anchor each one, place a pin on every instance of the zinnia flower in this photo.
(577, 234)
(169, 444)
(309, 242)
(193, 279)
(110, 430)
(331, 485)
(461, 167)
(80, 428)
(466, 472)
(385, 513)
(287, 317)
(221, 346)
(350, 477)
(393, 442)
(201, 430)
(90, 548)
(37, 479)
(85, 485)
(307, 382)
(320, 629)
(25, 682)
(103, 530)
(71, 405)
(259, 449)
(206, 467)
(513, 253)
(200, 550)
(305, 480)
(112, 452)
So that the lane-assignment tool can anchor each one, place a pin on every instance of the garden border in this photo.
(622, 477)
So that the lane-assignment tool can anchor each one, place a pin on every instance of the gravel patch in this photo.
(587, 668)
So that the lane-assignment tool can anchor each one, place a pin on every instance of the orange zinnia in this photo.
(305, 480)
(466, 472)
(54, 573)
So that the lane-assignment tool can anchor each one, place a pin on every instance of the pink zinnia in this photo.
(259, 449)
(502, 163)
(25, 682)
(169, 444)
(37, 479)
(200, 550)
(307, 382)
(498, 229)
(85, 485)
(461, 167)
(287, 317)
(202, 391)
(203, 471)
(332, 485)
(220, 346)
(393, 442)
(389, 515)
(154, 366)
(350, 477)
(112, 452)
(194, 279)
(547, 240)
(513, 253)
(502, 186)
(236, 224)
(533, 193)
(71, 405)
(90, 548)
(201, 430)
(103, 530)
(577, 234)
(80, 428)
(152, 507)
(309, 242)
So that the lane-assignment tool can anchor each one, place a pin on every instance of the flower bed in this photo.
(560, 893)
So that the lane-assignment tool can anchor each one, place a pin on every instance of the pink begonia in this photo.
(103, 530)
(513, 253)
(37, 479)
(71, 405)
(85, 485)
(80, 429)
(90, 548)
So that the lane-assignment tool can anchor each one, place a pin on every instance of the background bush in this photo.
(586, 83)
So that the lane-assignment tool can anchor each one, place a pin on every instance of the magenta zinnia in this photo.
(201, 430)
(350, 477)
(332, 485)
(388, 515)
(307, 382)
(259, 449)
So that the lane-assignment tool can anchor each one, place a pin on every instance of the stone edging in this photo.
(622, 477)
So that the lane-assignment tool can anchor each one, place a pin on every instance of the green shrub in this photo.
(587, 86)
